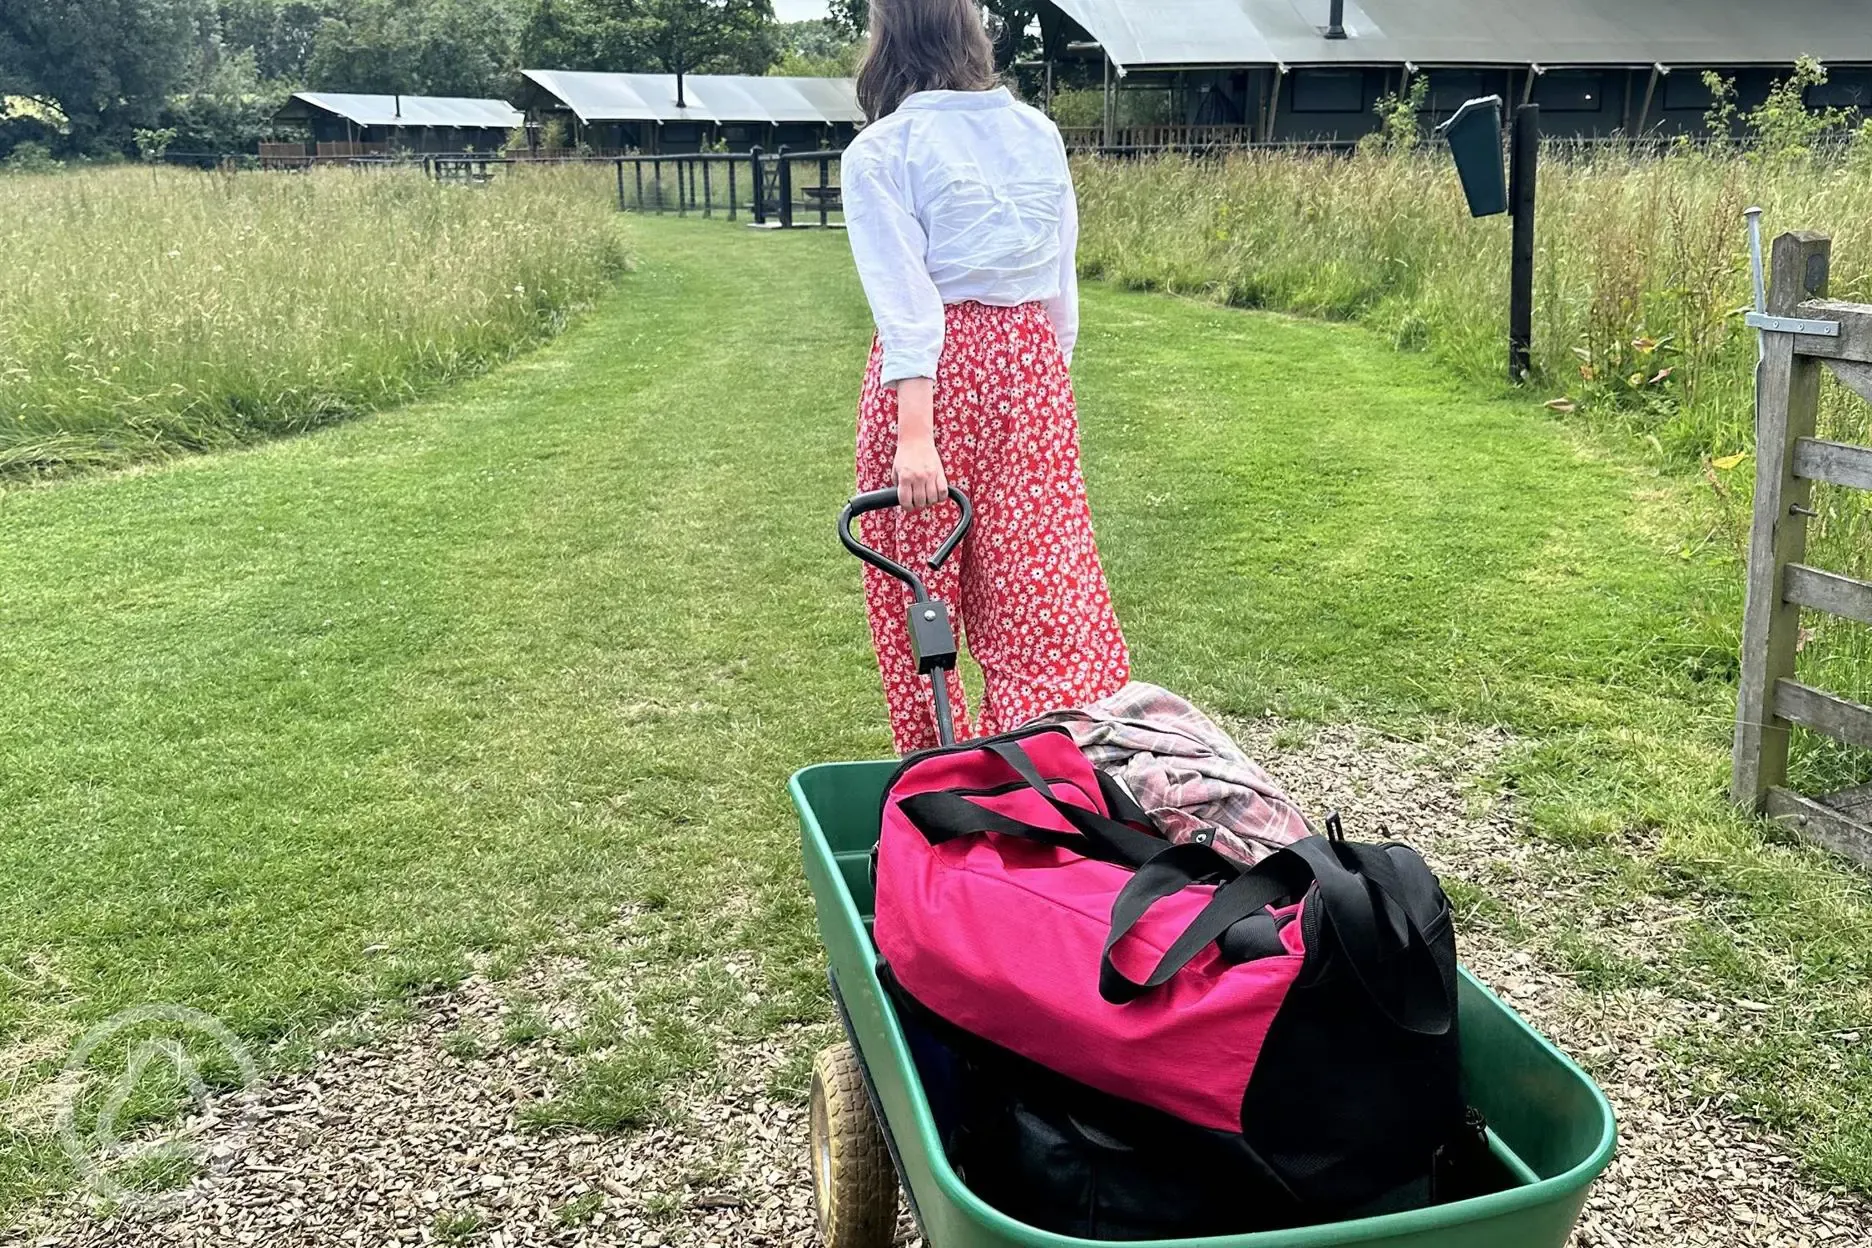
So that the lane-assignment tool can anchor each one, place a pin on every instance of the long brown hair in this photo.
(922, 45)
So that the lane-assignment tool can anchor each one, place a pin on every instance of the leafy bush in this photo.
(1398, 130)
(30, 157)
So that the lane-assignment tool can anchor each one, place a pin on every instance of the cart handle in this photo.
(877, 500)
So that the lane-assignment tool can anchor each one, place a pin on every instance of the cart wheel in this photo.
(853, 1179)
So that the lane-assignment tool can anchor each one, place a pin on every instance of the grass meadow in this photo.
(150, 311)
(1641, 280)
(347, 716)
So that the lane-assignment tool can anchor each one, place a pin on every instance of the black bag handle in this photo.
(1416, 1001)
(1352, 902)
(1119, 802)
(942, 816)
(1169, 873)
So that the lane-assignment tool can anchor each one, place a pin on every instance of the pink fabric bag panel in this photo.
(1003, 937)
(1053, 752)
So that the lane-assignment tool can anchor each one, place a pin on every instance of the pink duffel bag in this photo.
(1023, 898)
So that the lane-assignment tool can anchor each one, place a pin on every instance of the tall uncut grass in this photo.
(1641, 281)
(146, 311)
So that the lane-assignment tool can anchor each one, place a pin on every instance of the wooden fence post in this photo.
(1787, 401)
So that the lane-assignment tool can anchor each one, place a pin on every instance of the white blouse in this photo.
(959, 195)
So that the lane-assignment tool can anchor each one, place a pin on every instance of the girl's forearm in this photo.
(916, 420)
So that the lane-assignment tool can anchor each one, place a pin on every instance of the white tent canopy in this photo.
(599, 97)
(405, 110)
(1187, 33)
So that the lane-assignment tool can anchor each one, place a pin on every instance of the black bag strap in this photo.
(1170, 872)
(1119, 802)
(1412, 995)
(942, 816)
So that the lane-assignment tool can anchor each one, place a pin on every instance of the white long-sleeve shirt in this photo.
(955, 196)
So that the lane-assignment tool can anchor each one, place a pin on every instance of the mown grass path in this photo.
(286, 729)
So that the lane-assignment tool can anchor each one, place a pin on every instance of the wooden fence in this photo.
(1803, 333)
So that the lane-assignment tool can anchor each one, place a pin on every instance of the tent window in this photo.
(1450, 88)
(1570, 92)
(1844, 88)
(1686, 90)
(1328, 91)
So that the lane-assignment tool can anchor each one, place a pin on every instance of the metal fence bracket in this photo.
(1791, 325)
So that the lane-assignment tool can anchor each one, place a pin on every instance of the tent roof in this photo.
(406, 110)
(1478, 32)
(707, 97)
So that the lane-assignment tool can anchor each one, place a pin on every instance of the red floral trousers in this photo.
(1026, 589)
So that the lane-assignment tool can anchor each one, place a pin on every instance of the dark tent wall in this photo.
(1596, 69)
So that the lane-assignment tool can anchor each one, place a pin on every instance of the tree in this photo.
(687, 36)
(850, 16)
(229, 108)
(430, 47)
(280, 33)
(815, 49)
(467, 47)
(563, 34)
(1009, 22)
(108, 65)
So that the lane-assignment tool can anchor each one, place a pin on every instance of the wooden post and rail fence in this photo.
(1803, 333)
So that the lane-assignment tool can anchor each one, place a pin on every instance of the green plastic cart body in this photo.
(1551, 1129)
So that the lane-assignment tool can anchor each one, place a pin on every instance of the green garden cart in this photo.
(875, 1131)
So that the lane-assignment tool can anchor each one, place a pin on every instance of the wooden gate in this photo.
(1803, 333)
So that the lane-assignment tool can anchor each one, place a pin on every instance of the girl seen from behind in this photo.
(960, 209)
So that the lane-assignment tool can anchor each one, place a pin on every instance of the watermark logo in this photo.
(128, 1173)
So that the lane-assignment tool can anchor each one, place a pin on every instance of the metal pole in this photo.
(731, 189)
(1650, 92)
(1754, 216)
(1273, 112)
(825, 189)
(1110, 119)
(620, 182)
(638, 166)
(656, 172)
(1523, 175)
(786, 190)
(682, 194)
(708, 193)
(939, 695)
(760, 185)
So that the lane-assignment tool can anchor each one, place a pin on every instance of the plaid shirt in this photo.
(1187, 773)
